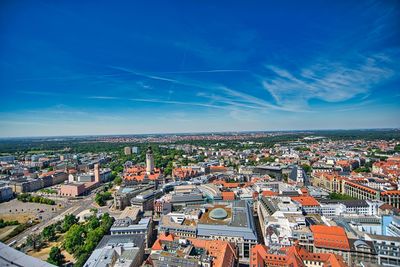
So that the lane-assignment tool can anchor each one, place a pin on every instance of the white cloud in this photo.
(328, 81)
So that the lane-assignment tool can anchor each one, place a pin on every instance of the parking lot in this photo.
(18, 210)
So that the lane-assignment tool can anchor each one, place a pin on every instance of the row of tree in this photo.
(4, 223)
(25, 197)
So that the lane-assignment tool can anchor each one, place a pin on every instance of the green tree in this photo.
(169, 168)
(118, 180)
(340, 196)
(82, 258)
(93, 238)
(55, 256)
(69, 220)
(362, 169)
(101, 198)
(7, 223)
(49, 233)
(35, 241)
(307, 168)
(92, 224)
(74, 238)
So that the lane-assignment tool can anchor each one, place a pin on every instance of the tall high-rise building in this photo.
(128, 150)
(97, 173)
(149, 161)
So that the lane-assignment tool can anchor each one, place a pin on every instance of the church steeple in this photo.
(149, 161)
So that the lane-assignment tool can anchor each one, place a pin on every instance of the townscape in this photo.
(268, 199)
(200, 133)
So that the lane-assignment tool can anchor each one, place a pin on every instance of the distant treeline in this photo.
(89, 144)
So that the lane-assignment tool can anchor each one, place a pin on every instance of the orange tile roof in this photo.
(268, 193)
(304, 191)
(330, 237)
(184, 172)
(223, 252)
(166, 237)
(288, 256)
(228, 195)
(157, 245)
(218, 168)
(306, 200)
(391, 192)
(343, 163)
(328, 259)
(362, 187)
(138, 173)
(292, 256)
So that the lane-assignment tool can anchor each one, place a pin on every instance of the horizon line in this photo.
(197, 133)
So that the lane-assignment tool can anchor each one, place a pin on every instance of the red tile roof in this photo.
(330, 237)
(228, 195)
(306, 201)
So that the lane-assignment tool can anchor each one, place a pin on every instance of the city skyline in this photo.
(96, 68)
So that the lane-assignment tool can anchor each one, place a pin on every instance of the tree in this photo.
(49, 233)
(55, 256)
(7, 223)
(169, 168)
(74, 238)
(362, 169)
(82, 258)
(118, 180)
(307, 168)
(35, 241)
(340, 196)
(101, 198)
(69, 220)
(92, 224)
(93, 238)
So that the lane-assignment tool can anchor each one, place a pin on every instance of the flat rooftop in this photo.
(12, 257)
(206, 219)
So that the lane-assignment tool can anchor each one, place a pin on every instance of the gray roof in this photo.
(347, 203)
(125, 247)
(12, 257)
(242, 223)
(126, 225)
(384, 238)
(186, 198)
(171, 260)
(137, 239)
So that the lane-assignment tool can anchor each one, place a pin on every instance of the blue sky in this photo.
(72, 68)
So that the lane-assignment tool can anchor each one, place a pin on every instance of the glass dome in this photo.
(218, 214)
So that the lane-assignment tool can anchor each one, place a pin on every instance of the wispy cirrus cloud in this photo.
(161, 101)
(217, 95)
(205, 71)
(328, 81)
(146, 75)
(104, 97)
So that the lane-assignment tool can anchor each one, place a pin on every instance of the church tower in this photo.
(149, 161)
(97, 173)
